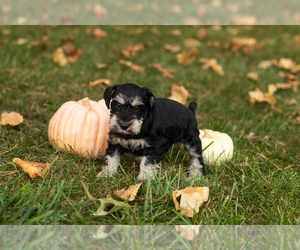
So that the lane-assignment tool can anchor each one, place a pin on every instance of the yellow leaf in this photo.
(191, 199)
(59, 57)
(258, 96)
(179, 94)
(11, 119)
(172, 48)
(253, 76)
(186, 58)
(192, 42)
(175, 32)
(286, 63)
(99, 33)
(213, 64)
(34, 169)
(131, 192)
(103, 83)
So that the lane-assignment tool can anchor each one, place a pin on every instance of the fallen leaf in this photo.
(127, 63)
(296, 40)
(258, 96)
(108, 196)
(253, 76)
(131, 192)
(129, 51)
(99, 33)
(172, 48)
(59, 57)
(286, 63)
(11, 118)
(179, 94)
(175, 32)
(186, 58)
(103, 83)
(101, 65)
(72, 52)
(287, 76)
(166, 72)
(191, 199)
(105, 202)
(232, 31)
(298, 120)
(292, 102)
(212, 64)
(244, 43)
(292, 84)
(215, 44)
(188, 232)
(191, 42)
(21, 41)
(132, 66)
(265, 64)
(202, 34)
(34, 169)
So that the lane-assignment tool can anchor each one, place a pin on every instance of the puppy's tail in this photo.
(192, 106)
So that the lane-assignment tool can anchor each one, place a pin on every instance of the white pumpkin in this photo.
(81, 127)
(220, 147)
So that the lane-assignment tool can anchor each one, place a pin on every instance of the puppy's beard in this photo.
(133, 129)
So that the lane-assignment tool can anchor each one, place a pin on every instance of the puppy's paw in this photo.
(194, 174)
(105, 172)
(144, 176)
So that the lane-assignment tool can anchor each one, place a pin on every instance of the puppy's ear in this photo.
(108, 94)
(149, 96)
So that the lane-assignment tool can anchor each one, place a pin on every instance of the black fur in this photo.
(156, 124)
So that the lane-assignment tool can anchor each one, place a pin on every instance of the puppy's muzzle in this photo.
(124, 126)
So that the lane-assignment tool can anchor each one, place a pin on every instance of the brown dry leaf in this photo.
(287, 76)
(244, 43)
(166, 72)
(11, 119)
(191, 199)
(175, 32)
(188, 232)
(172, 48)
(99, 33)
(186, 58)
(108, 196)
(215, 44)
(253, 76)
(103, 83)
(213, 64)
(258, 96)
(137, 68)
(292, 84)
(139, 47)
(129, 51)
(265, 64)
(295, 69)
(59, 57)
(131, 192)
(101, 65)
(179, 94)
(191, 42)
(286, 63)
(34, 169)
(127, 63)
(72, 52)
(202, 34)
(296, 40)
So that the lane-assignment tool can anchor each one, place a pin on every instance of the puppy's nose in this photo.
(124, 126)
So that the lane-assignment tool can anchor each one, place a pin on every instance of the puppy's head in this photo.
(128, 104)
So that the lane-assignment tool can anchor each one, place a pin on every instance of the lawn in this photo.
(264, 189)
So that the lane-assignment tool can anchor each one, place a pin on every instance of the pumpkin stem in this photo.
(86, 103)
(206, 133)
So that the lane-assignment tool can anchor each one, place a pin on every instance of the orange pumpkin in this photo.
(81, 127)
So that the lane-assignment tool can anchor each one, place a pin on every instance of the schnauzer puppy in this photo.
(147, 126)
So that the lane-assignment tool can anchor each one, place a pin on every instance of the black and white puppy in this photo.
(147, 126)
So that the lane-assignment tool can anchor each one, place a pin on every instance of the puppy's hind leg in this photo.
(114, 155)
(194, 148)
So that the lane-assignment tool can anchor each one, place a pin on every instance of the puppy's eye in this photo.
(136, 108)
(118, 105)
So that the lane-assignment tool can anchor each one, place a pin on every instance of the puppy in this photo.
(147, 126)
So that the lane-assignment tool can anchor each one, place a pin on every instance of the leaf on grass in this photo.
(34, 169)
(202, 34)
(287, 76)
(258, 96)
(292, 84)
(132, 66)
(166, 72)
(179, 94)
(11, 118)
(21, 41)
(175, 32)
(265, 64)
(103, 83)
(191, 199)
(130, 193)
(191, 42)
(104, 203)
(212, 64)
(101, 65)
(188, 232)
(285, 63)
(129, 51)
(99, 33)
(245, 44)
(72, 52)
(59, 57)
(172, 48)
(186, 58)
(253, 76)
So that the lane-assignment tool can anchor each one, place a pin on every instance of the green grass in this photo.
(264, 192)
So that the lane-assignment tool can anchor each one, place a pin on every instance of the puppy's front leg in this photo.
(148, 169)
(112, 159)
